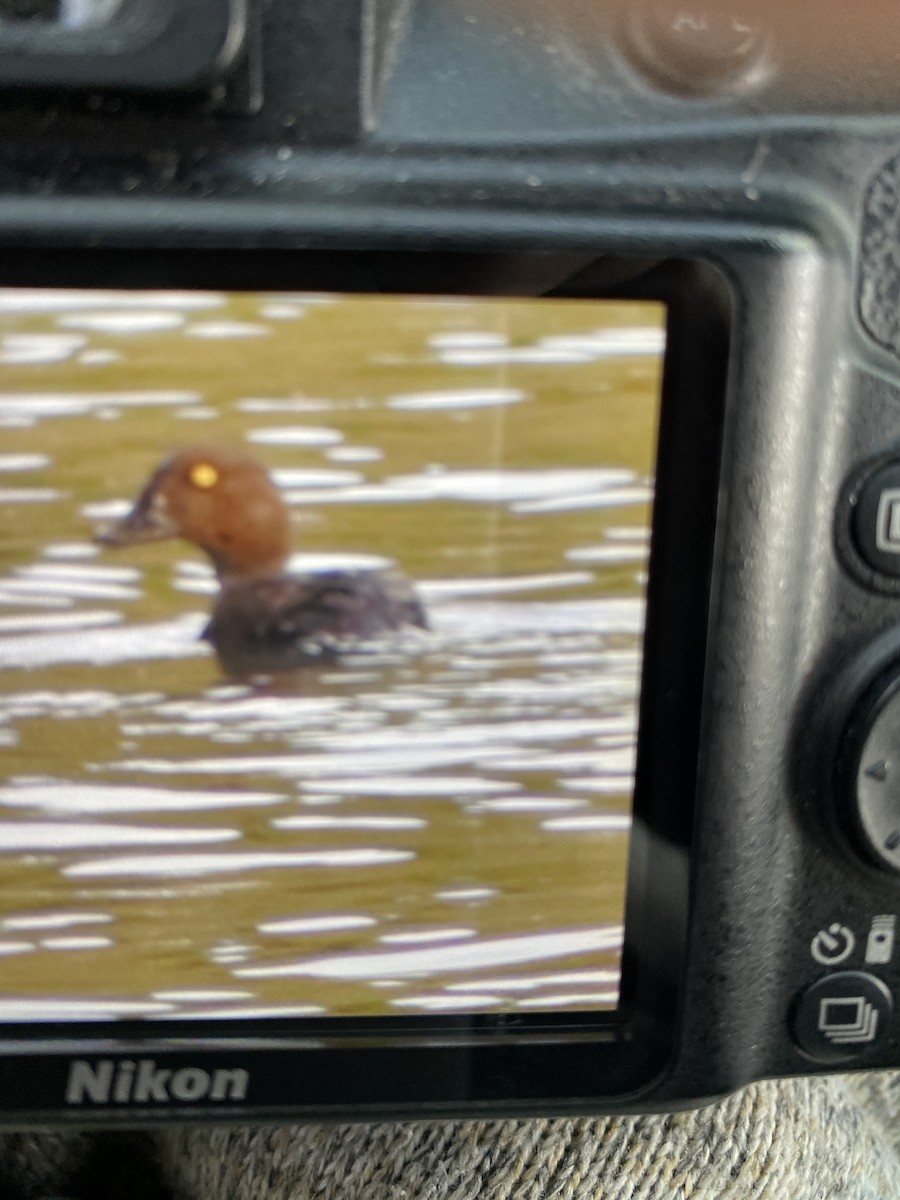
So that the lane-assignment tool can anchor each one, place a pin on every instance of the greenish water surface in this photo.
(439, 822)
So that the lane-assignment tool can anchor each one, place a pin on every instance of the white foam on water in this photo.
(386, 752)
(201, 996)
(528, 804)
(148, 399)
(611, 343)
(33, 1008)
(466, 340)
(417, 937)
(196, 586)
(467, 895)
(456, 398)
(350, 454)
(611, 555)
(627, 533)
(614, 497)
(178, 638)
(515, 356)
(444, 1003)
(62, 704)
(24, 462)
(32, 600)
(38, 349)
(330, 923)
(337, 561)
(255, 712)
(38, 405)
(527, 983)
(35, 495)
(495, 487)
(197, 414)
(71, 550)
(614, 760)
(57, 836)
(60, 796)
(341, 822)
(192, 566)
(559, 764)
(77, 943)
(593, 823)
(250, 1012)
(54, 920)
(119, 323)
(436, 589)
(226, 330)
(419, 786)
(281, 312)
(56, 300)
(314, 477)
(296, 404)
(299, 435)
(468, 956)
(189, 866)
(96, 572)
(72, 589)
(572, 1000)
(322, 298)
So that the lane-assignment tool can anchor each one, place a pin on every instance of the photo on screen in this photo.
(424, 812)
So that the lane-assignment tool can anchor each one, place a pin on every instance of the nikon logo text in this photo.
(106, 1081)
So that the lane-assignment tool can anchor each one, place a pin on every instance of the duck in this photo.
(265, 620)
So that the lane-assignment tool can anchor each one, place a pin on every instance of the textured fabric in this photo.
(808, 1139)
(832, 1138)
(32, 1164)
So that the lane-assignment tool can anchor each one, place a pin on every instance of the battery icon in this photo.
(880, 942)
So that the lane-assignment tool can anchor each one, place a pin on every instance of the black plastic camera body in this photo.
(738, 165)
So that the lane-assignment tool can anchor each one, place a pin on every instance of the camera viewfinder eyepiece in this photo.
(135, 45)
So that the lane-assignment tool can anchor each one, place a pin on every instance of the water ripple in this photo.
(58, 835)
(306, 435)
(488, 952)
(63, 300)
(303, 926)
(60, 796)
(191, 866)
(123, 323)
(54, 920)
(178, 638)
(457, 398)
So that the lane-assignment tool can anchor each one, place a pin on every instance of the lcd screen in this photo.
(433, 818)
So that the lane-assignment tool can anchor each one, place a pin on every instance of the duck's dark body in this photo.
(274, 624)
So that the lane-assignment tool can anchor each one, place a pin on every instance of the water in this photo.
(439, 822)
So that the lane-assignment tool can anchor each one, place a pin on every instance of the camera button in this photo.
(876, 521)
(873, 795)
(703, 47)
(841, 1016)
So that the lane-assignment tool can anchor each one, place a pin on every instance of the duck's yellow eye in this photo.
(203, 475)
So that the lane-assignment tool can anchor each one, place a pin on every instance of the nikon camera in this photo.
(450, 559)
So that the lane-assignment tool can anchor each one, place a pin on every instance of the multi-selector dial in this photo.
(871, 769)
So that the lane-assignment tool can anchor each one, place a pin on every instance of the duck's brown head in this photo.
(222, 501)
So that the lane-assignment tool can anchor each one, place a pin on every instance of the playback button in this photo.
(842, 1016)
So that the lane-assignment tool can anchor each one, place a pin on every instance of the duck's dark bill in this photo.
(395, 777)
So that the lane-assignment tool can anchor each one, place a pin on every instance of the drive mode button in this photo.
(842, 1016)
